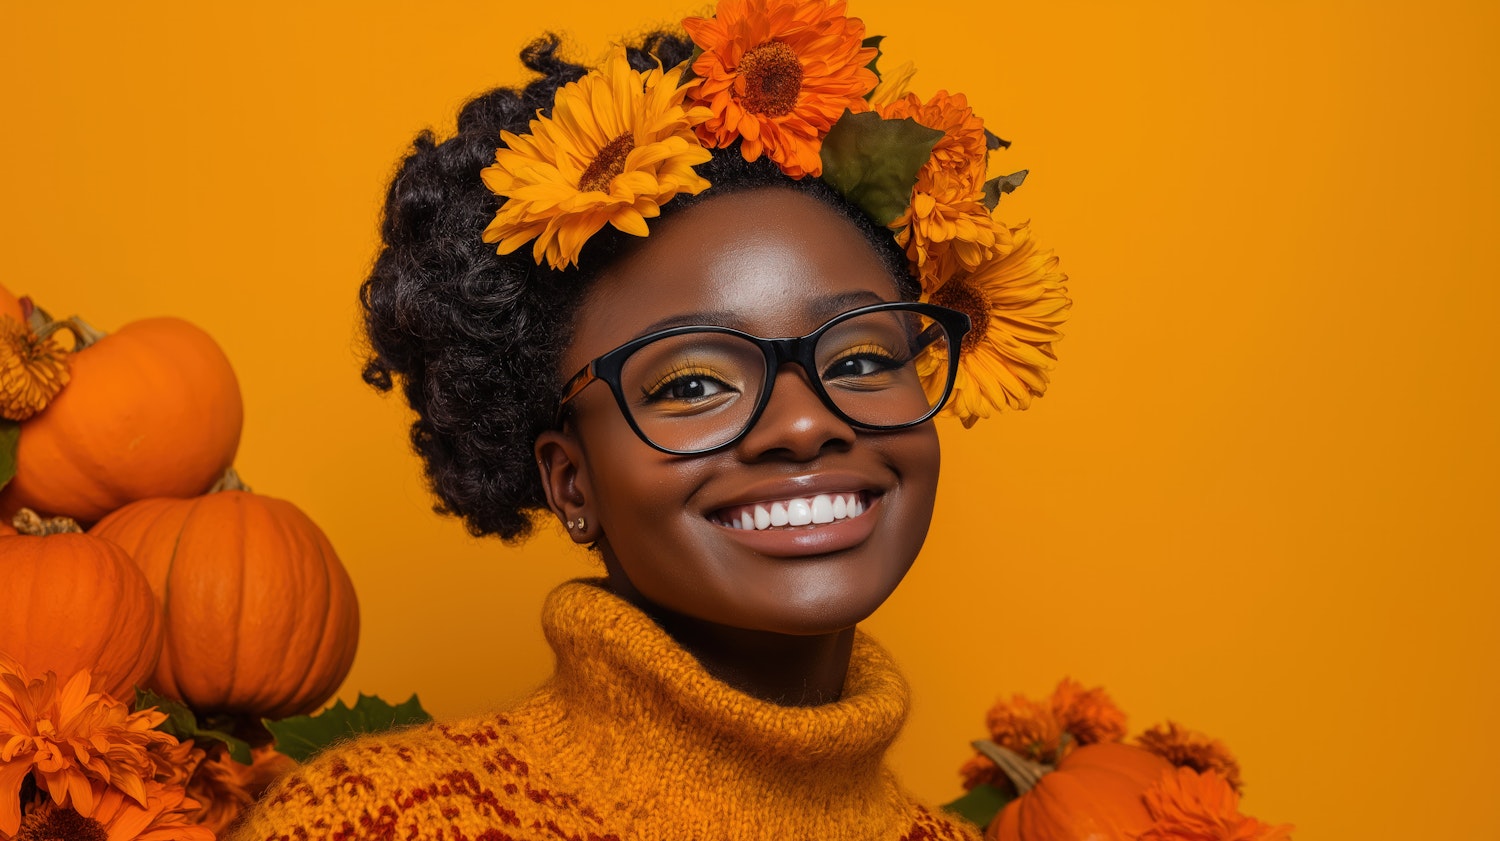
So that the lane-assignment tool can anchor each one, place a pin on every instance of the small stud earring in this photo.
(578, 524)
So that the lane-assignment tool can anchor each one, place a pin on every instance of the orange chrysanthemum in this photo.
(947, 228)
(1188, 806)
(1016, 304)
(617, 146)
(1088, 715)
(1185, 748)
(162, 815)
(224, 788)
(980, 770)
(1027, 727)
(32, 370)
(777, 74)
(68, 740)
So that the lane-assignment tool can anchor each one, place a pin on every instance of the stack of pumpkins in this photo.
(183, 581)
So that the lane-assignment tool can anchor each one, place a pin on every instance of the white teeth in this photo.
(822, 509)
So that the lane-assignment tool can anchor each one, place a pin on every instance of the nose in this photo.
(795, 424)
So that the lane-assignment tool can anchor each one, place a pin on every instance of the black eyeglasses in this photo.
(692, 390)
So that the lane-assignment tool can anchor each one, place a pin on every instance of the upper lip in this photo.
(795, 487)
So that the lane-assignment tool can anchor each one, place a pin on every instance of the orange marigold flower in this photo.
(617, 146)
(69, 741)
(948, 228)
(980, 770)
(777, 74)
(224, 788)
(1027, 727)
(1188, 806)
(1088, 715)
(1185, 748)
(32, 370)
(160, 816)
(1016, 304)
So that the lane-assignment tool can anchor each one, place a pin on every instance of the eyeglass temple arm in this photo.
(578, 382)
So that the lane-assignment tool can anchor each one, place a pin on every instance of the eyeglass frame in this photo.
(797, 350)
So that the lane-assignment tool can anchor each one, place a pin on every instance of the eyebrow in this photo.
(822, 308)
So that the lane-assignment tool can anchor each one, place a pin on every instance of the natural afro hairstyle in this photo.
(475, 338)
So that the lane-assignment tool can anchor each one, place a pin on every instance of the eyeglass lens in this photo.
(698, 390)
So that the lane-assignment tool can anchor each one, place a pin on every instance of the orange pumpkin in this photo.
(77, 601)
(261, 617)
(151, 410)
(1094, 795)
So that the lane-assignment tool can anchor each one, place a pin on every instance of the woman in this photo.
(730, 404)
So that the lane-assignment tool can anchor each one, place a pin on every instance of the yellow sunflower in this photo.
(777, 74)
(1016, 304)
(947, 228)
(32, 370)
(617, 145)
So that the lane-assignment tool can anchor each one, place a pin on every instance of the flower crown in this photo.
(796, 81)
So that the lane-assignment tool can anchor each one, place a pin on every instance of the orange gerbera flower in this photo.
(68, 739)
(1016, 304)
(1188, 806)
(948, 228)
(1088, 715)
(1182, 747)
(32, 370)
(1027, 727)
(617, 146)
(777, 74)
(161, 816)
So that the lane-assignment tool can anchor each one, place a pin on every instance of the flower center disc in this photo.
(773, 78)
(60, 825)
(607, 164)
(957, 295)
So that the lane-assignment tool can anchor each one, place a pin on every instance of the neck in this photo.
(786, 669)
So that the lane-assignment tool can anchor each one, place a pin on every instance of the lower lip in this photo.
(804, 541)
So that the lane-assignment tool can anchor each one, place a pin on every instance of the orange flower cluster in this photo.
(777, 77)
(1185, 748)
(98, 769)
(1191, 806)
(1044, 731)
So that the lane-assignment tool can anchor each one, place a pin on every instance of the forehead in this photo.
(772, 262)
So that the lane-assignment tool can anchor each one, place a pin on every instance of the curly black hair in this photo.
(475, 338)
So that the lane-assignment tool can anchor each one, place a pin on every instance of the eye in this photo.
(686, 385)
(864, 360)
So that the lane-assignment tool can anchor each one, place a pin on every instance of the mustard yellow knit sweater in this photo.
(629, 739)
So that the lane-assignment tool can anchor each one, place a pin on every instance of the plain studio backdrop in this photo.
(1259, 500)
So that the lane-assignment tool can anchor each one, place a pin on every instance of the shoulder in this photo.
(461, 779)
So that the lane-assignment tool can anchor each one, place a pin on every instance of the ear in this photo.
(565, 481)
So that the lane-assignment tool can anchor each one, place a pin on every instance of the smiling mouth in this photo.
(796, 512)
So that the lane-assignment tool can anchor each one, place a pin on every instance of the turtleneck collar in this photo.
(627, 701)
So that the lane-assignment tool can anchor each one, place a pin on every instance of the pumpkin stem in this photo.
(29, 522)
(1023, 772)
(230, 481)
(84, 334)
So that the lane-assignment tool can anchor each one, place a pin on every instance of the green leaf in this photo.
(10, 439)
(182, 723)
(303, 736)
(980, 805)
(874, 162)
(873, 41)
(1000, 185)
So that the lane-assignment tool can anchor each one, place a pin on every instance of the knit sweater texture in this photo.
(629, 739)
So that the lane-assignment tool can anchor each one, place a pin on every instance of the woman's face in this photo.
(772, 263)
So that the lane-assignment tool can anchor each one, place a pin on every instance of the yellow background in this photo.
(1260, 499)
